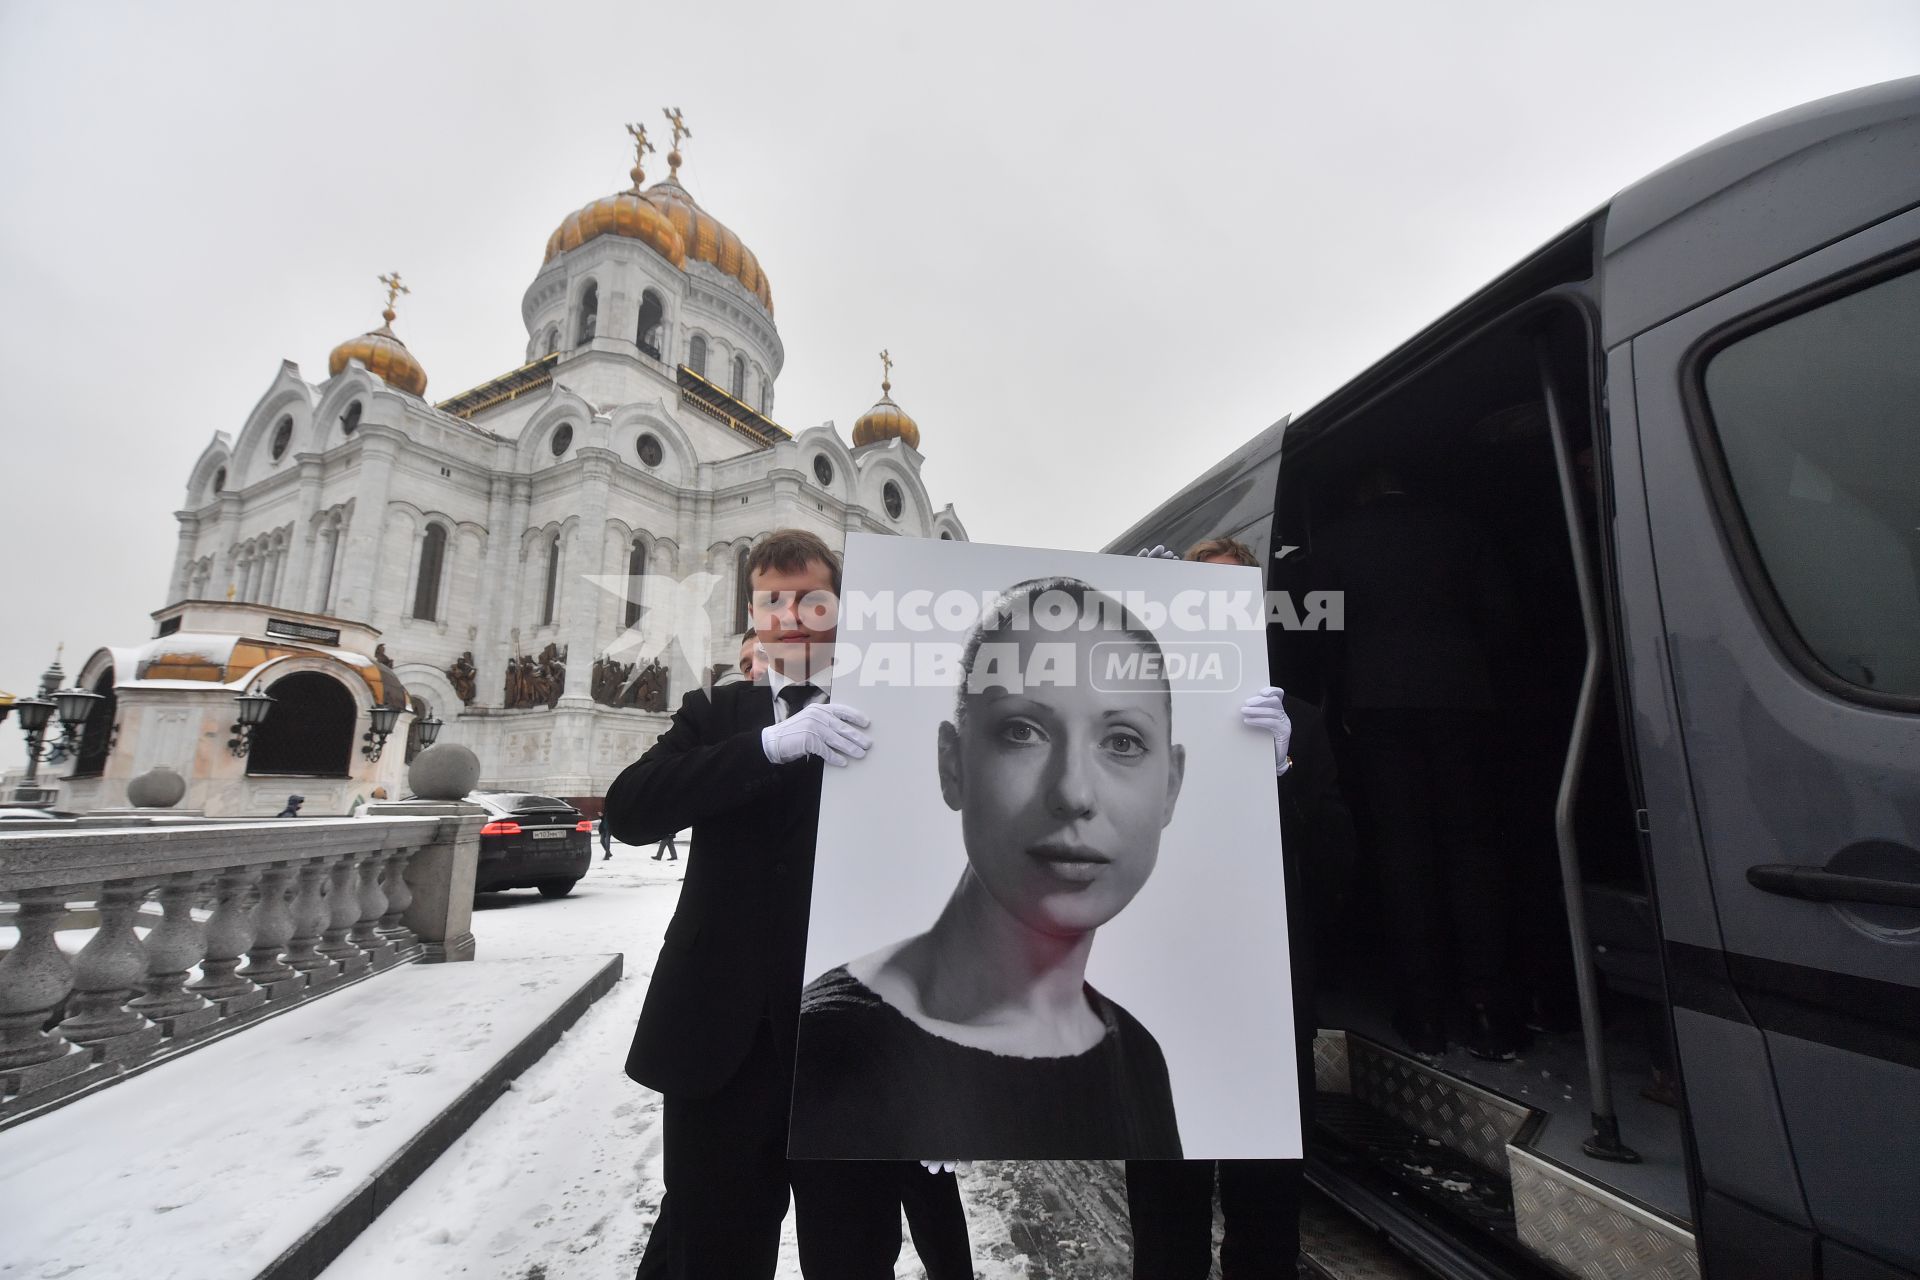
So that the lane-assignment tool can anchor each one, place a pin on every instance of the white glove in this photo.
(1264, 711)
(830, 730)
(1156, 552)
(944, 1166)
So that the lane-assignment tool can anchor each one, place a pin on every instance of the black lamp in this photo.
(380, 721)
(253, 708)
(429, 730)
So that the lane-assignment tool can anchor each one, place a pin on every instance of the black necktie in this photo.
(797, 696)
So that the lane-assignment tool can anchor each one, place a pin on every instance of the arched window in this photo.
(219, 480)
(282, 437)
(309, 731)
(742, 593)
(97, 738)
(738, 389)
(553, 580)
(652, 323)
(766, 392)
(697, 355)
(636, 570)
(589, 313)
(426, 590)
(350, 421)
(553, 339)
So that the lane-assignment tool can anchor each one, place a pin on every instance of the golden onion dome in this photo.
(625, 214)
(384, 355)
(886, 420)
(666, 218)
(707, 238)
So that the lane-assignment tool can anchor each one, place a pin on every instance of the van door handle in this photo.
(1817, 885)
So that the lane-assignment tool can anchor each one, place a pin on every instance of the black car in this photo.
(531, 841)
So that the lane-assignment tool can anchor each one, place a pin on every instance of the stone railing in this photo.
(253, 918)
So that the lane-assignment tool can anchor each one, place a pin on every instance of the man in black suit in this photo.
(1427, 597)
(1170, 1202)
(742, 764)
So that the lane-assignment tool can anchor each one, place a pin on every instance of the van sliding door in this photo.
(1779, 431)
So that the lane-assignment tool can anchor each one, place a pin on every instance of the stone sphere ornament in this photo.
(157, 788)
(444, 771)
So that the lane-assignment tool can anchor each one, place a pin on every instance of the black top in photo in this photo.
(871, 1084)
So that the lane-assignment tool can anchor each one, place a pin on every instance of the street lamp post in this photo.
(73, 706)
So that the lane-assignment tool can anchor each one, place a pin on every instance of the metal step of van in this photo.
(1390, 1105)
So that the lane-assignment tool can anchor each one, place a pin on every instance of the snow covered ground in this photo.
(561, 1177)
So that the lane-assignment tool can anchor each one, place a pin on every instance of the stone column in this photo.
(34, 978)
(229, 934)
(172, 950)
(296, 573)
(583, 601)
(359, 566)
(105, 975)
(441, 877)
(492, 656)
(343, 912)
(224, 565)
(310, 917)
(272, 929)
(182, 581)
(492, 609)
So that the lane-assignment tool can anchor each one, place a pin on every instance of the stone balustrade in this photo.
(243, 920)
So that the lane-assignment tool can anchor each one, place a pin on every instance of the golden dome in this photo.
(886, 420)
(386, 358)
(709, 240)
(626, 214)
(666, 218)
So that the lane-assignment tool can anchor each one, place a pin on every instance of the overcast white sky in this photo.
(1105, 242)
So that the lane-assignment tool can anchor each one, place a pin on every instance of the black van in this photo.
(1690, 428)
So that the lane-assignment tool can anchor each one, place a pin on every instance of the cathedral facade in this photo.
(509, 543)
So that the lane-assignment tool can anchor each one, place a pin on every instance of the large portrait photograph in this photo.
(1048, 914)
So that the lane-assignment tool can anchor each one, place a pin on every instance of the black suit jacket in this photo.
(736, 946)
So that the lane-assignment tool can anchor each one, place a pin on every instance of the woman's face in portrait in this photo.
(1063, 789)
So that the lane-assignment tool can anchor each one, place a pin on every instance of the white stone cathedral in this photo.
(636, 439)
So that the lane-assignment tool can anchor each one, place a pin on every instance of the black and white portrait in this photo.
(1048, 908)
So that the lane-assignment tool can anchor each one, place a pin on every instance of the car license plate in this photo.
(549, 835)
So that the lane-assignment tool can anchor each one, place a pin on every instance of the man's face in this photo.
(1063, 791)
(795, 614)
(752, 665)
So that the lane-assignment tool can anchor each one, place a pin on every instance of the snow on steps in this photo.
(263, 1155)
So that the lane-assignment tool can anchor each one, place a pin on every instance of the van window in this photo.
(1818, 416)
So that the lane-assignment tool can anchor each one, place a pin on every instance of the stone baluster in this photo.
(343, 912)
(393, 925)
(105, 975)
(229, 934)
(272, 930)
(373, 905)
(173, 948)
(34, 979)
(310, 916)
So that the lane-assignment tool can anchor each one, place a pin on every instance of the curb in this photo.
(328, 1238)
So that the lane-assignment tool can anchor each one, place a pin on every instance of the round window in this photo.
(822, 469)
(562, 438)
(350, 420)
(891, 496)
(282, 436)
(650, 450)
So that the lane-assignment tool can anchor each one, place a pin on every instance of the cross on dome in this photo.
(680, 130)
